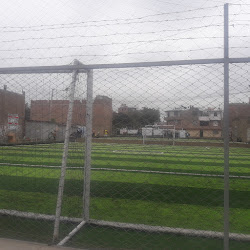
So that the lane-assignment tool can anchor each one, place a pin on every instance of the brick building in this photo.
(239, 110)
(57, 110)
(125, 109)
(102, 114)
(239, 114)
(198, 123)
(11, 104)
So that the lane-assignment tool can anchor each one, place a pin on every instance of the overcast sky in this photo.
(45, 32)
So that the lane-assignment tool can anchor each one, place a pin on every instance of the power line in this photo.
(240, 4)
(113, 34)
(239, 47)
(109, 55)
(95, 25)
(109, 44)
(240, 24)
(117, 20)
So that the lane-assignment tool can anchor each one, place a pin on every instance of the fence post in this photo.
(88, 142)
(226, 130)
(65, 155)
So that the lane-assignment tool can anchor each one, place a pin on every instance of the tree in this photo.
(27, 111)
(121, 120)
(135, 119)
(149, 116)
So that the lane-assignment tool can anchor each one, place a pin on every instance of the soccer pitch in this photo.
(183, 190)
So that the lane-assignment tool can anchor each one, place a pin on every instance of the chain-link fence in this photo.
(42, 132)
(133, 155)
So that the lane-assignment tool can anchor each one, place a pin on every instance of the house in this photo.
(210, 122)
(198, 123)
(125, 109)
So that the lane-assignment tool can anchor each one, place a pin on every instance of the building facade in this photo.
(57, 110)
(12, 115)
(125, 109)
(198, 123)
(102, 115)
(240, 129)
(45, 131)
(239, 114)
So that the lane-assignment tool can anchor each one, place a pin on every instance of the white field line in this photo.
(146, 152)
(30, 215)
(133, 152)
(170, 173)
(120, 225)
(133, 170)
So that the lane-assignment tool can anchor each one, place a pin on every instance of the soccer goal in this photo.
(159, 131)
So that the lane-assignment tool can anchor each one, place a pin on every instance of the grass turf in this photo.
(153, 199)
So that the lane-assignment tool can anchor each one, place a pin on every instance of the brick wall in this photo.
(11, 103)
(102, 115)
(238, 110)
(240, 128)
(57, 110)
(239, 115)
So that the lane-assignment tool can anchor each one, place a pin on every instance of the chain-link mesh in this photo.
(157, 157)
(34, 111)
(239, 149)
(161, 164)
(129, 155)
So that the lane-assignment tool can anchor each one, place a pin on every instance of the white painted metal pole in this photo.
(65, 156)
(140, 227)
(226, 130)
(50, 106)
(88, 145)
(71, 234)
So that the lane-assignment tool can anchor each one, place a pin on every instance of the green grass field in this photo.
(193, 202)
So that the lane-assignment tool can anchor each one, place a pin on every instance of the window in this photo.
(215, 132)
(175, 113)
(215, 114)
(215, 123)
(204, 123)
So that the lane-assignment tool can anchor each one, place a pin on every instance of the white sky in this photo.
(55, 32)
(45, 32)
